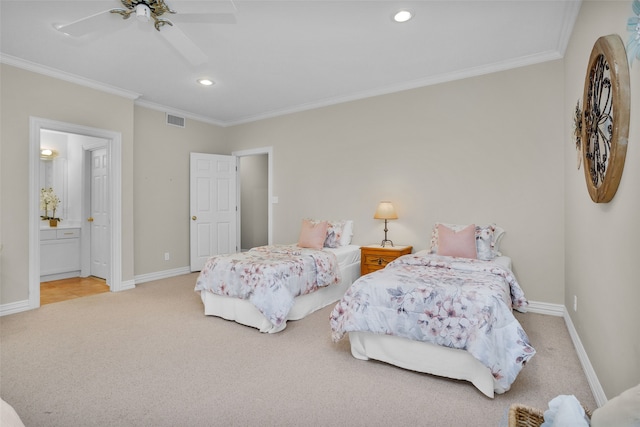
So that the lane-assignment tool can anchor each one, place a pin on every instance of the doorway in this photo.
(253, 201)
(206, 239)
(113, 144)
(255, 197)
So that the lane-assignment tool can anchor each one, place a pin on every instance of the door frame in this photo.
(114, 153)
(254, 152)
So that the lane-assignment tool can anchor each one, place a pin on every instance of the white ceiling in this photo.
(283, 56)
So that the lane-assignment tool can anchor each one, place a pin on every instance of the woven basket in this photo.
(526, 416)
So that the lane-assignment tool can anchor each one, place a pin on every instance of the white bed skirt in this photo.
(245, 313)
(424, 357)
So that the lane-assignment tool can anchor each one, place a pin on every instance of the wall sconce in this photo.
(385, 211)
(48, 154)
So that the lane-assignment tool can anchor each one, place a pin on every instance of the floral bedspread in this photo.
(454, 302)
(270, 277)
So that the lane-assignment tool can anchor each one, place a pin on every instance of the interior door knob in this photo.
(194, 217)
(90, 219)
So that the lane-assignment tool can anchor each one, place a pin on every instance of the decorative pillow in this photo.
(339, 233)
(461, 243)
(312, 234)
(498, 234)
(487, 239)
(484, 242)
(335, 231)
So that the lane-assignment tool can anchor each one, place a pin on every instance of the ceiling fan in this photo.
(145, 10)
(158, 10)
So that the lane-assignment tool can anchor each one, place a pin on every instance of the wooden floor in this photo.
(66, 289)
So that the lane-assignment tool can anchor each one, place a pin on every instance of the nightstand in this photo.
(375, 257)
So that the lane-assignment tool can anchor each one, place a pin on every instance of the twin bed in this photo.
(269, 285)
(445, 311)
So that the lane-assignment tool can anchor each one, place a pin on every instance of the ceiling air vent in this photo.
(175, 120)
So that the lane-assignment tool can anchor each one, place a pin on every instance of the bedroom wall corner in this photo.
(601, 240)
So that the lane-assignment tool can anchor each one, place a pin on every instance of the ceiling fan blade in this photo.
(184, 45)
(84, 25)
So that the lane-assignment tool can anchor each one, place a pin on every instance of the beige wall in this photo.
(485, 149)
(25, 94)
(161, 186)
(602, 256)
(475, 150)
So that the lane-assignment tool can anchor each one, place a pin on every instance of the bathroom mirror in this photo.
(61, 170)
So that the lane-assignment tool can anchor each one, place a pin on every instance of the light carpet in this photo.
(149, 357)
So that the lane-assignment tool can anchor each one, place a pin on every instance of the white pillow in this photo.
(9, 416)
(621, 411)
(347, 233)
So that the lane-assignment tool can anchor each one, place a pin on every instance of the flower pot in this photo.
(53, 223)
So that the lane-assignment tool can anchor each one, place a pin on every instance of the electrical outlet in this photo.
(166, 256)
(575, 303)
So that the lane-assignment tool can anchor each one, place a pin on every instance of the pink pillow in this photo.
(312, 234)
(457, 243)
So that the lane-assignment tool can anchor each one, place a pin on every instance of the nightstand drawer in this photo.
(377, 260)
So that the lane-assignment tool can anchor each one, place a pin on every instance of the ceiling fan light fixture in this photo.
(205, 82)
(402, 16)
(143, 13)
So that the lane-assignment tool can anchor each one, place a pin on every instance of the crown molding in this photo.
(571, 11)
(68, 77)
(524, 61)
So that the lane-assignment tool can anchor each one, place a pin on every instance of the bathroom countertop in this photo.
(44, 225)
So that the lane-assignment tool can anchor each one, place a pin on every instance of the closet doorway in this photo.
(254, 197)
(254, 217)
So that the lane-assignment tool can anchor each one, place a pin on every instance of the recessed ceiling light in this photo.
(205, 82)
(402, 16)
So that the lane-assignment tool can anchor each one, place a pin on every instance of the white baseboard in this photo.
(561, 311)
(546, 308)
(125, 285)
(592, 378)
(142, 278)
(14, 307)
(59, 276)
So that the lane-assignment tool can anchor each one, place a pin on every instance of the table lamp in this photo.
(385, 211)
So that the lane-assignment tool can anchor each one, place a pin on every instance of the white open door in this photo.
(212, 206)
(99, 220)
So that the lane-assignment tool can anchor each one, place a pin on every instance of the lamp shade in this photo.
(385, 210)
